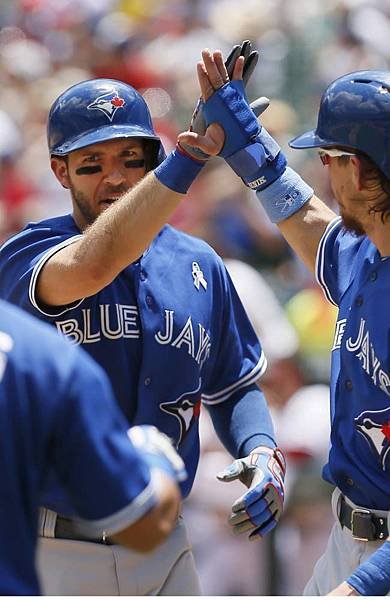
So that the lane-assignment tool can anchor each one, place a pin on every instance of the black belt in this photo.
(66, 529)
(363, 523)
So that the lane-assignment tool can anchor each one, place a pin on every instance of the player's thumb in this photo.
(211, 143)
(231, 472)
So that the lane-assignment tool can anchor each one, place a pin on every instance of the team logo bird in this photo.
(108, 103)
(186, 409)
(374, 426)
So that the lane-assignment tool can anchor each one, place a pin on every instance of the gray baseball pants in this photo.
(78, 568)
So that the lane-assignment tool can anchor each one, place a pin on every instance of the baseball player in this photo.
(158, 312)
(350, 257)
(57, 413)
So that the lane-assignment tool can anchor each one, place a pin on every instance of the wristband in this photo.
(372, 578)
(285, 196)
(178, 171)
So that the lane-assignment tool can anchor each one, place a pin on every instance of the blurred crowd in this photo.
(48, 45)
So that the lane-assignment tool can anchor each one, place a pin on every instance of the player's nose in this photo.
(114, 177)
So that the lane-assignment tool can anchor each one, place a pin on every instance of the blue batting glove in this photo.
(198, 123)
(260, 508)
(156, 448)
(249, 149)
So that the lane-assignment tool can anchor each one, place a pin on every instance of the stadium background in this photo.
(46, 46)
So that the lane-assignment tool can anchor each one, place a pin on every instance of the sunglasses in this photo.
(326, 153)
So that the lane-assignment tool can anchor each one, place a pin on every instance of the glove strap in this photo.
(178, 170)
(258, 165)
(228, 107)
(275, 453)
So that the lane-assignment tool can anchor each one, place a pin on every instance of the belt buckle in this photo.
(356, 511)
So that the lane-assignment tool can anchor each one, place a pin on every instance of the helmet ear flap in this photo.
(154, 154)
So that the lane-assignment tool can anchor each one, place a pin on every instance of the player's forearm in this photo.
(118, 237)
(122, 233)
(257, 158)
(304, 229)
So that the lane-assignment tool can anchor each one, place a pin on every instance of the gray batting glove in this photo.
(260, 508)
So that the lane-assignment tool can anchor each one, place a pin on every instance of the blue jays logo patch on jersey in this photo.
(108, 103)
(374, 426)
(186, 409)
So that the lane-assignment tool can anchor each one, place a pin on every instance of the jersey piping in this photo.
(249, 378)
(320, 263)
(36, 271)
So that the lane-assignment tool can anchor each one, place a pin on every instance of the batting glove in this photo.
(260, 508)
(157, 450)
(198, 123)
(249, 149)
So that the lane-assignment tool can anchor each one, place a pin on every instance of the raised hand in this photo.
(198, 124)
(213, 74)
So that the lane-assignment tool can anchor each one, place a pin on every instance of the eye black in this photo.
(89, 170)
(135, 164)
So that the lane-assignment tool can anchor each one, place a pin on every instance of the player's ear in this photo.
(357, 172)
(59, 166)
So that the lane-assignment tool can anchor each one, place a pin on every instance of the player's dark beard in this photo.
(82, 204)
(352, 225)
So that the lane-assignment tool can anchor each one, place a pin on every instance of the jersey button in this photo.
(142, 275)
(349, 481)
(147, 381)
(149, 300)
(348, 385)
(359, 301)
(373, 276)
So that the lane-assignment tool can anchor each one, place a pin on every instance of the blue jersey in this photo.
(174, 314)
(355, 278)
(57, 412)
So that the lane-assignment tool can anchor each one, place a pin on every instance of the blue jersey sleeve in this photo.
(239, 359)
(372, 578)
(22, 258)
(335, 255)
(59, 414)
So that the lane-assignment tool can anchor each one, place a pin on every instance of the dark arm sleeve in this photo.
(243, 421)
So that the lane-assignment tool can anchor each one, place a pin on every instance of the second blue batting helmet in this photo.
(354, 112)
(98, 110)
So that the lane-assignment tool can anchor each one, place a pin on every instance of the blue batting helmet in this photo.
(98, 110)
(354, 112)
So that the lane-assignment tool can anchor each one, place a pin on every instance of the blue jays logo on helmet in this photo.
(98, 110)
(374, 426)
(108, 104)
(186, 409)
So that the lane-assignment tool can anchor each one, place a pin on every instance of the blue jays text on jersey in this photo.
(49, 392)
(355, 277)
(170, 330)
